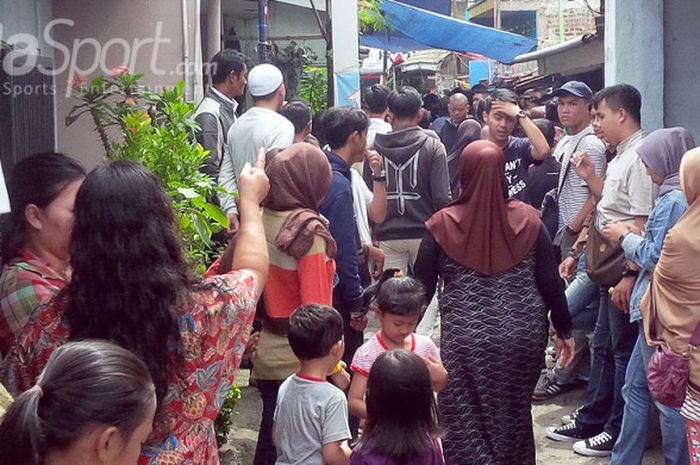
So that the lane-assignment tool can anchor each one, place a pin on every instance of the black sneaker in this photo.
(568, 432)
(600, 445)
(549, 387)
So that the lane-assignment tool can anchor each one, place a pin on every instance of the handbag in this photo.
(668, 373)
(549, 211)
(605, 260)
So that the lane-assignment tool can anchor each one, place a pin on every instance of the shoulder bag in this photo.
(549, 211)
(668, 373)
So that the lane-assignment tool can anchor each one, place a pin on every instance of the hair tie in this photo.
(39, 390)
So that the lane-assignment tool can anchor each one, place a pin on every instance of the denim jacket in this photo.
(645, 251)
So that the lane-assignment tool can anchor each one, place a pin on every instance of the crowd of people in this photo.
(507, 229)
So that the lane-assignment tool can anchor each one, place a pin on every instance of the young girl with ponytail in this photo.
(93, 404)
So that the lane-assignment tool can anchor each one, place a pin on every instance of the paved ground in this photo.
(241, 447)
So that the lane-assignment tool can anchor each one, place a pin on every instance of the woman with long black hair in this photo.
(132, 285)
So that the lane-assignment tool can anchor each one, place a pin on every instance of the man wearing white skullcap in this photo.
(259, 127)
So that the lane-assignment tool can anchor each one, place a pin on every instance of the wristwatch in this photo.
(381, 177)
(627, 271)
(521, 114)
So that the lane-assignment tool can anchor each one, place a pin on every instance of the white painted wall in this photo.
(634, 53)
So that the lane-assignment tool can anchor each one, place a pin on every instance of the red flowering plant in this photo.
(156, 130)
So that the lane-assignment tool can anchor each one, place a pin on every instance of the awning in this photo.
(574, 56)
(425, 60)
(417, 29)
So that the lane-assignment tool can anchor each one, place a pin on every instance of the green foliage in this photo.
(157, 131)
(314, 88)
(223, 422)
(370, 16)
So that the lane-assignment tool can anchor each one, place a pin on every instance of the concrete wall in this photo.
(26, 17)
(681, 57)
(158, 56)
(634, 52)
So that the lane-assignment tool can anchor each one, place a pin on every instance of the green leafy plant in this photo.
(370, 16)
(314, 88)
(224, 421)
(156, 130)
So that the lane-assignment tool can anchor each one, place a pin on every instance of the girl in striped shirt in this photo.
(398, 303)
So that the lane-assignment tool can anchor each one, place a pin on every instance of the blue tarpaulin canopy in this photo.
(413, 28)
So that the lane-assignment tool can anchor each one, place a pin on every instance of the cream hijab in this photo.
(671, 307)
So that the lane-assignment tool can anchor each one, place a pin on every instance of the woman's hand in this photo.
(613, 231)
(376, 260)
(253, 184)
(251, 348)
(565, 350)
(358, 321)
(438, 373)
(567, 268)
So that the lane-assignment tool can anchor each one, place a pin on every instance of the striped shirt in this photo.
(574, 191)
(291, 282)
(691, 408)
(369, 351)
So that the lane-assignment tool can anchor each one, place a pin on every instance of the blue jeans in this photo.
(629, 447)
(613, 340)
(583, 297)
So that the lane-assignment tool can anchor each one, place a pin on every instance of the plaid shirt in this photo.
(26, 281)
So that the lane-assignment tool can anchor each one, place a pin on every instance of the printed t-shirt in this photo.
(518, 155)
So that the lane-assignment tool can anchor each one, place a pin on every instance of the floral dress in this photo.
(214, 331)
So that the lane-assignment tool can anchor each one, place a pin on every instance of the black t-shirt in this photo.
(518, 155)
(541, 178)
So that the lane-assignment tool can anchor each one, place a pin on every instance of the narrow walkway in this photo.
(241, 446)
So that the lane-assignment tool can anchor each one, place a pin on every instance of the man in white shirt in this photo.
(259, 127)
(376, 102)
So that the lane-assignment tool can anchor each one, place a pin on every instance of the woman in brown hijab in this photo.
(671, 307)
(500, 274)
(301, 268)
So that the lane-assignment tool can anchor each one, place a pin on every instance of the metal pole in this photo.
(560, 8)
(385, 67)
(186, 50)
(497, 14)
(263, 52)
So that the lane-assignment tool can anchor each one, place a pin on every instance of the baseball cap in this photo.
(264, 79)
(575, 88)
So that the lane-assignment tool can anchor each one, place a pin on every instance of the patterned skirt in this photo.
(494, 332)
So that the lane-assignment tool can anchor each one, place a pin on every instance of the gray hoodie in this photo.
(418, 183)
